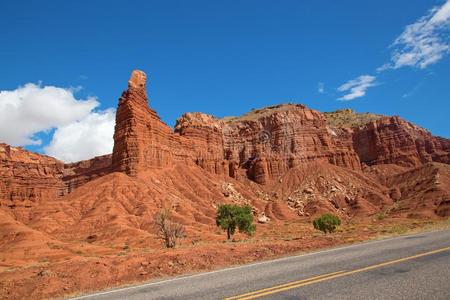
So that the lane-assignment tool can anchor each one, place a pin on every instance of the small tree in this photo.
(327, 223)
(168, 230)
(231, 216)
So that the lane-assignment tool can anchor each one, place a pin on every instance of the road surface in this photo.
(409, 267)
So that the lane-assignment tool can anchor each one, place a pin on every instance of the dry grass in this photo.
(348, 118)
(255, 114)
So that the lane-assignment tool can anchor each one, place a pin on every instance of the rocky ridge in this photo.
(259, 148)
(27, 178)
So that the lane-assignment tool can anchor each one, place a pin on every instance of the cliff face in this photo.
(261, 145)
(264, 144)
(141, 140)
(26, 177)
(79, 173)
(392, 140)
(379, 139)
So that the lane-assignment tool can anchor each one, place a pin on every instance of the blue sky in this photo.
(227, 57)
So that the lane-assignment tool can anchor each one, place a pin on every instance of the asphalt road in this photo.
(408, 267)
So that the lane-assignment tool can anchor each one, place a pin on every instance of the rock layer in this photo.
(260, 147)
(141, 139)
(27, 178)
(392, 140)
(79, 173)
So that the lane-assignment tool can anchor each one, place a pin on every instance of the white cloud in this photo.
(356, 88)
(32, 109)
(321, 87)
(421, 44)
(441, 14)
(424, 42)
(85, 138)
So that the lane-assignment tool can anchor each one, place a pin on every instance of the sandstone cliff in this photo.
(79, 173)
(263, 147)
(392, 140)
(26, 177)
(379, 139)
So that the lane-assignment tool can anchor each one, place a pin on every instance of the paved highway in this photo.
(409, 267)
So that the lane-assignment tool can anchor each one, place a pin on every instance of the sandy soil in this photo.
(90, 269)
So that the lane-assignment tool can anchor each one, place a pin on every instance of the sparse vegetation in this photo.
(327, 223)
(231, 216)
(168, 230)
(380, 216)
(254, 113)
(398, 229)
(349, 118)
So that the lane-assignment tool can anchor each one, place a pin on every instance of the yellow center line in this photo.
(329, 276)
(283, 285)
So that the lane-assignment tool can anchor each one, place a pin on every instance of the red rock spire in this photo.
(137, 80)
(141, 140)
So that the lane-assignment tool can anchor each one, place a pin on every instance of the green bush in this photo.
(327, 223)
(231, 216)
(380, 216)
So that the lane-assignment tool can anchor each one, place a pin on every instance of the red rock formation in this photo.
(26, 177)
(79, 173)
(200, 140)
(275, 139)
(263, 144)
(423, 191)
(141, 140)
(315, 188)
(392, 140)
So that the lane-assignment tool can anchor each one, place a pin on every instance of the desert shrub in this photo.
(229, 217)
(398, 229)
(168, 230)
(380, 216)
(327, 223)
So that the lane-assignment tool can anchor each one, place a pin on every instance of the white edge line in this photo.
(253, 264)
